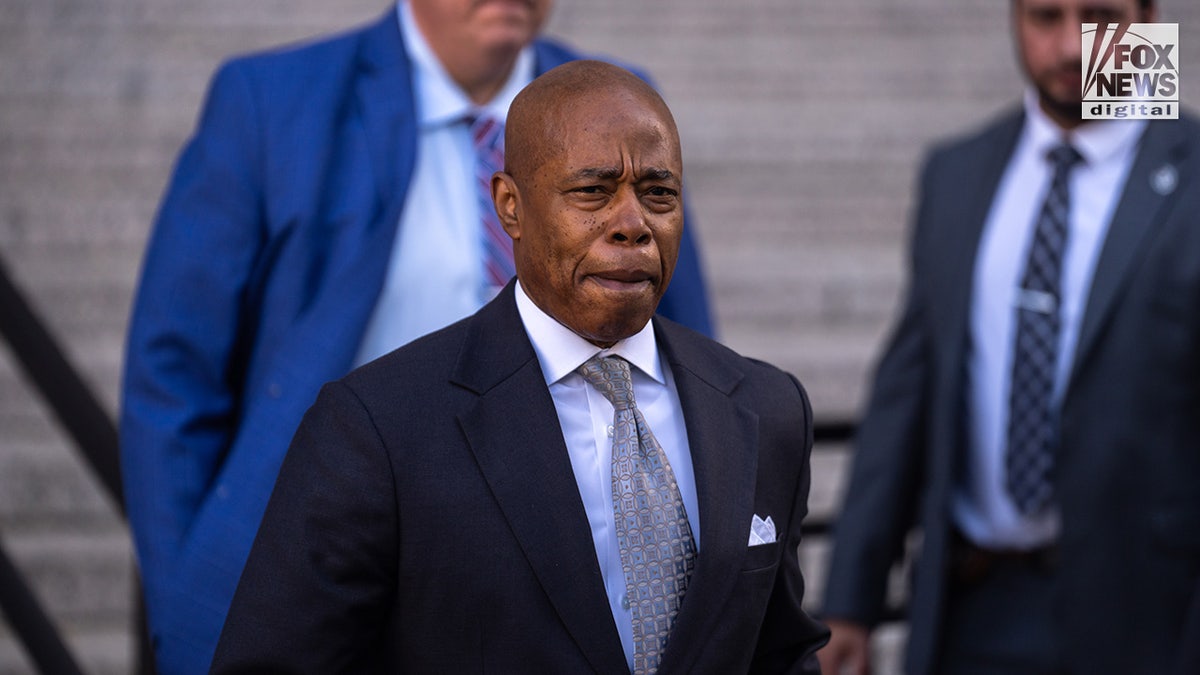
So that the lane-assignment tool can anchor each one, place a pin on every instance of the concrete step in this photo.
(98, 650)
(81, 579)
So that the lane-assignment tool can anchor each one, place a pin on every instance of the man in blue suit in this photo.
(323, 214)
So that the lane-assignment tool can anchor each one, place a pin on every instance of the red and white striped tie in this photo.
(487, 135)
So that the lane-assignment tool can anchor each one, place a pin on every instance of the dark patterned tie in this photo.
(1032, 419)
(657, 550)
(487, 135)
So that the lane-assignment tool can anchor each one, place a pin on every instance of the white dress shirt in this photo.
(586, 418)
(435, 276)
(982, 507)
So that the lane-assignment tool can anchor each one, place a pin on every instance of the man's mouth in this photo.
(622, 280)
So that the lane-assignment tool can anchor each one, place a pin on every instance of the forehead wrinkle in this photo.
(631, 164)
(600, 172)
(615, 172)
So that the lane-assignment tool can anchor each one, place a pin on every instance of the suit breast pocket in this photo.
(761, 557)
(1167, 278)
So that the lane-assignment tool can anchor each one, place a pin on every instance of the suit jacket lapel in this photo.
(1141, 211)
(385, 105)
(723, 439)
(958, 248)
(380, 126)
(514, 432)
(380, 129)
(969, 190)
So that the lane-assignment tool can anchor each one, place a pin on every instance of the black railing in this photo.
(80, 414)
(71, 400)
(94, 433)
(31, 624)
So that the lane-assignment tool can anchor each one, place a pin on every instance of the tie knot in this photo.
(611, 377)
(1064, 157)
(487, 133)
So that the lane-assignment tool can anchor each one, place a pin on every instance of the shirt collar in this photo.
(560, 351)
(440, 100)
(1097, 141)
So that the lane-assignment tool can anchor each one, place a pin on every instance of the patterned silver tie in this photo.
(657, 550)
(1032, 427)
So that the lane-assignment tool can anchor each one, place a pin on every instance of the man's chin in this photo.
(511, 22)
(1062, 108)
(617, 326)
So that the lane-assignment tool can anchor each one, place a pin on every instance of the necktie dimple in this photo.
(657, 549)
(487, 136)
(1032, 423)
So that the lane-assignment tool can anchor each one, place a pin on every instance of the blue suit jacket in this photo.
(464, 547)
(266, 260)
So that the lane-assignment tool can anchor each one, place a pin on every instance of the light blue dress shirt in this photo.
(435, 276)
(982, 507)
(586, 418)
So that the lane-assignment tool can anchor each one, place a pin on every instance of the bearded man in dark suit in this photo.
(1034, 415)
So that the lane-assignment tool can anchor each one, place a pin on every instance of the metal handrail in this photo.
(78, 412)
(70, 399)
(42, 642)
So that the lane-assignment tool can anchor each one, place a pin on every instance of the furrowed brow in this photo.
(599, 173)
(653, 173)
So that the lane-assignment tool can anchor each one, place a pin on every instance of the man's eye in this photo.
(1044, 17)
(661, 199)
(1102, 16)
(589, 189)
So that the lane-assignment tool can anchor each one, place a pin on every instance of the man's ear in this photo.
(507, 199)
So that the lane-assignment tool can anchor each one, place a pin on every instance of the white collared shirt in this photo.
(435, 276)
(982, 507)
(586, 418)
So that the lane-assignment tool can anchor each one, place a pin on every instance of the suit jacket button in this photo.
(274, 390)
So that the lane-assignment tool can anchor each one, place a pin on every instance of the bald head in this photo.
(591, 196)
(539, 114)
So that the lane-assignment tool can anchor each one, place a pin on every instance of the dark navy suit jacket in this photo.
(265, 262)
(427, 520)
(1128, 462)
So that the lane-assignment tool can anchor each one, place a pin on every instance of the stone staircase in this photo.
(802, 124)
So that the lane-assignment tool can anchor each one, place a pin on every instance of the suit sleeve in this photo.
(790, 637)
(316, 591)
(181, 379)
(880, 499)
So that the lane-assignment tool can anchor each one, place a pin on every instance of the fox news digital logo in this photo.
(1130, 71)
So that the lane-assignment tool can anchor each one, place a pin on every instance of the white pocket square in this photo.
(761, 531)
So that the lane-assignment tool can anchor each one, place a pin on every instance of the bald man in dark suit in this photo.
(459, 506)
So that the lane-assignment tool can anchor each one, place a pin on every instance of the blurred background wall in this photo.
(802, 125)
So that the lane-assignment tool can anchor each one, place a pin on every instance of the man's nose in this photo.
(627, 219)
(1070, 37)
